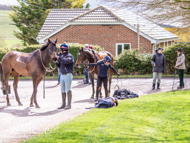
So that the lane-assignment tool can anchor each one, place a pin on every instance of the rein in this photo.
(50, 69)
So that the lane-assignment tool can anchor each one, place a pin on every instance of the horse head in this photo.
(51, 46)
(81, 57)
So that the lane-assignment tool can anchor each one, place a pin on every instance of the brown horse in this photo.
(93, 57)
(27, 64)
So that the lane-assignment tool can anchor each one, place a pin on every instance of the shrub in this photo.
(132, 62)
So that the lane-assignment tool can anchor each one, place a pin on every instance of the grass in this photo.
(6, 30)
(114, 76)
(161, 117)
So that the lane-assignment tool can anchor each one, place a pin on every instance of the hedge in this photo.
(73, 50)
(132, 62)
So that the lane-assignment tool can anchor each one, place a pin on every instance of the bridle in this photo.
(50, 69)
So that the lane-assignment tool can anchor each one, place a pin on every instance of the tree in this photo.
(160, 11)
(31, 14)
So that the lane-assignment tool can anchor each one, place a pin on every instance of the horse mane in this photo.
(89, 54)
(44, 46)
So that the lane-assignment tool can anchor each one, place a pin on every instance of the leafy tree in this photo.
(31, 14)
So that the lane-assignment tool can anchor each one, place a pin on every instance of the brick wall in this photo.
(105, 36)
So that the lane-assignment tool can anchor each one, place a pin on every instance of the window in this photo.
(120, 47)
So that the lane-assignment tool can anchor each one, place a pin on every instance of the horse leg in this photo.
(7, 87)
(109, 79)
(35, 85)
(15, 83)
(92, 79)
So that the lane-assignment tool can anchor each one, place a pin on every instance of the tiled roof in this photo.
(99, 14)
(58, 17)
(149, 28)
(57, 20)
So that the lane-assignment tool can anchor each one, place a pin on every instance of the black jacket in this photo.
(159, 61)
(103, 69)
(65, 63)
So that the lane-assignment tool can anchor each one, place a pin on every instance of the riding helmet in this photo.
(64, 46)
(107, 59)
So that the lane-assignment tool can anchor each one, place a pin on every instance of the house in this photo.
(113, 29)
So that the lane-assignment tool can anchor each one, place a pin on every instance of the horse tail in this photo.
(1, 75)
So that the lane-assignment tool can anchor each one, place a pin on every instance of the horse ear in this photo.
(49, 41)
(56, 40)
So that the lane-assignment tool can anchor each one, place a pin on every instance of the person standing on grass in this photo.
(159, 64)
(65, 63)
(180, 66)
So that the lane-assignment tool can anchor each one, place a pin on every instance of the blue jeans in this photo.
(59, 75)
(66, 81)
(86, 74)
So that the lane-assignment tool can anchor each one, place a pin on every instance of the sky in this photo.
(9, 2)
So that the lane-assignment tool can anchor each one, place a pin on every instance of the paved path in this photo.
(20, 122)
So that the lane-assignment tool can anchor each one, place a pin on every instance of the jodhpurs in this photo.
(66, 81)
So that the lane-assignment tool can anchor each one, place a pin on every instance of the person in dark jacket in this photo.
(158, 63)
(104, 65)
(65, 63)
(180, 66)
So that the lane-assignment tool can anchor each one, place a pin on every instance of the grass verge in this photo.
(161, 117)
(114, 76)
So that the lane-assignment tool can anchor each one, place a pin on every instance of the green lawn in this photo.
(162, 117)
(6, 30)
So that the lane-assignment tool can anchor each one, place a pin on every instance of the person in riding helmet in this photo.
(65, 63)
(104, 65)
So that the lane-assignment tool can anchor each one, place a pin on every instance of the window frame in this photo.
(116, 47)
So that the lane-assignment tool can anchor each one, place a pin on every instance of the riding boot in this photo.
(97, 94)
(153, 86)
(63, 101)
(106, 93)
(158, 85)
(69, 96)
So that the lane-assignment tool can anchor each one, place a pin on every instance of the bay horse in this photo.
(93, 57)
(31, 64)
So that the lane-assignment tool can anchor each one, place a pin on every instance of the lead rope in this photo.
(44, 86)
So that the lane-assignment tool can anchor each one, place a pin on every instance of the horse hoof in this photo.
(8, 104)
(20, 104)
(92, 97)
(31, 105)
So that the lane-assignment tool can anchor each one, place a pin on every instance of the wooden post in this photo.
(138, 37)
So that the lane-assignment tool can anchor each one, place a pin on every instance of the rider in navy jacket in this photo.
(65, 63)
(104, 65)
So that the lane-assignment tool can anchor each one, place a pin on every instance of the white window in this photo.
(120, 47)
